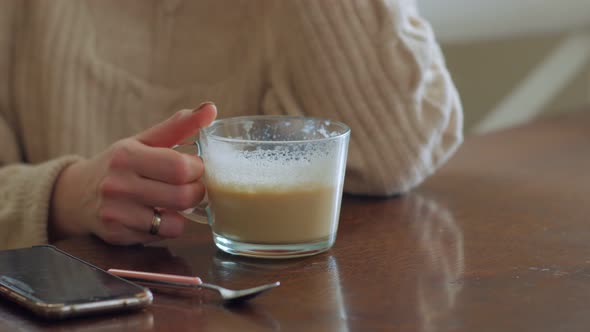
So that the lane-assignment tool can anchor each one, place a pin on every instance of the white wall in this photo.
(514, 60)
(475, 20)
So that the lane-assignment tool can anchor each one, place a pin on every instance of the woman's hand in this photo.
(113, 195)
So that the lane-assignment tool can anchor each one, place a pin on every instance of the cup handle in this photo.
(200, 213)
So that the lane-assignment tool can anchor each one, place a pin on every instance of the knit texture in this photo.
(79, 75)
(25, 193)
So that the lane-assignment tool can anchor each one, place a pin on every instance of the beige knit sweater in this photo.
(78, 75)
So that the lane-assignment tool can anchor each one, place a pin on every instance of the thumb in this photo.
(182, 125)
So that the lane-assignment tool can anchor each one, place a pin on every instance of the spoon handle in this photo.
(149, 276)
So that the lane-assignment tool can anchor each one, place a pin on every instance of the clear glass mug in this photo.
(274, 184)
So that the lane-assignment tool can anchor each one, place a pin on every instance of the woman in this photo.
(83, 79)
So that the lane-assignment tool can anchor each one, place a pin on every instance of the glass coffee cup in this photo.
(274, 184)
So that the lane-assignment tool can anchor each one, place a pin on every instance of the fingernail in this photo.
(203, 105)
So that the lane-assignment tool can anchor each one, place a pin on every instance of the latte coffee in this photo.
(274, 216)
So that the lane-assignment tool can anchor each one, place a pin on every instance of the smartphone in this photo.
(54, 284)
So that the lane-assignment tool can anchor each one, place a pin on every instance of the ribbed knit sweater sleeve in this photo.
(25, 196)
(25, 190)
(376, 66)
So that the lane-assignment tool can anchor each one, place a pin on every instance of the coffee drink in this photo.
(274, 215)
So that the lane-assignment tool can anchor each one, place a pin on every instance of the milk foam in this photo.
(279, 168)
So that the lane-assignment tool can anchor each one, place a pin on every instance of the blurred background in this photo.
(514, 60)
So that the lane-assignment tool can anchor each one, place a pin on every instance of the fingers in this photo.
(181, 197)
(166, 165)
(179, 127)
(130, 217)
(152, 193)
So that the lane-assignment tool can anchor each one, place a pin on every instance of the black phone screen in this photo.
(52, 276)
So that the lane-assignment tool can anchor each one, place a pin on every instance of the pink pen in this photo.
(149, 276)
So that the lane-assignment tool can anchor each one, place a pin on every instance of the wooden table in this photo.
(498, 240)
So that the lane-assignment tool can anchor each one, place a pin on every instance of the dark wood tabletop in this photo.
(497, 240)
